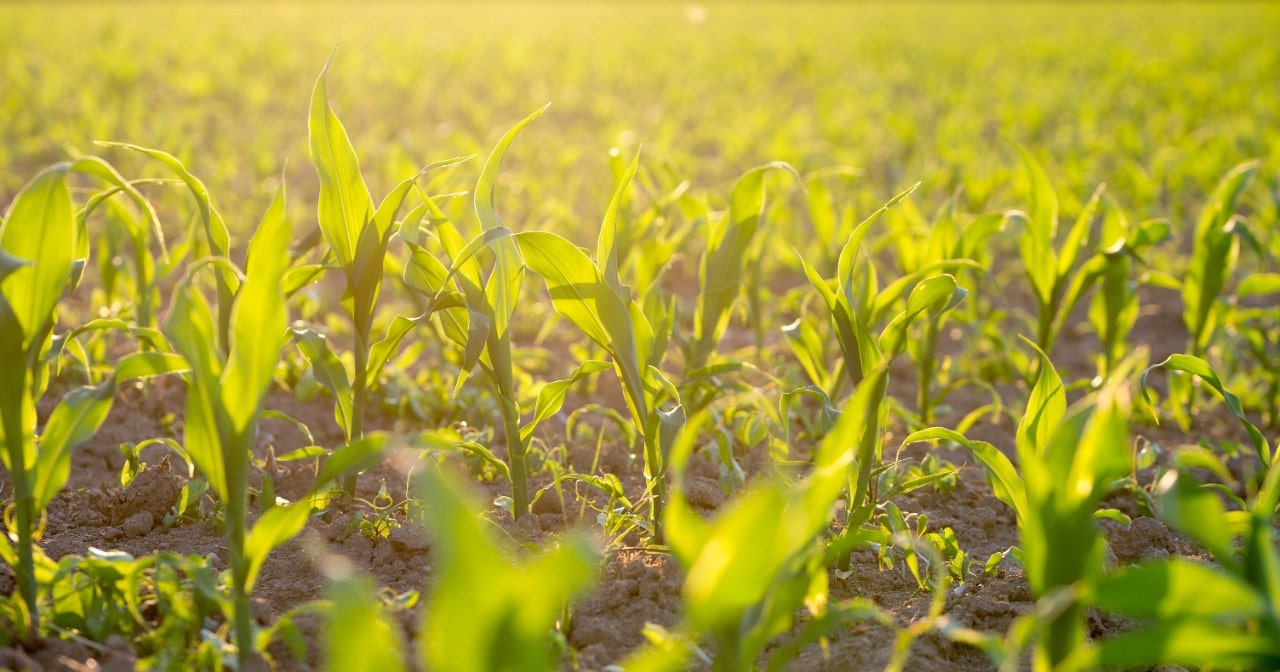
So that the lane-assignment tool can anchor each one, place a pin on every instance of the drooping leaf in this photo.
(278, 525)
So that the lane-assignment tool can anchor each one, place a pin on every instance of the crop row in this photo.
(891, 288)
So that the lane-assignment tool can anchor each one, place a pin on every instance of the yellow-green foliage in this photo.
(1157, 101)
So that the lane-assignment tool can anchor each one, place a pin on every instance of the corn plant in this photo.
(931, 297)
(1215, 250)
(361, 635)
(358, 235)
(225, 395)
(950, 245)
(760, 560)
(476, 313)
(485, 612)
(39, 243)
(491, 306)
(594, 299)
(1256, 486)
(1255, 326)
(856, 303)
(1114, 308)
(1049, 264)
(1240, 626)
(720, 277)
(1069, 458)
(209, 228)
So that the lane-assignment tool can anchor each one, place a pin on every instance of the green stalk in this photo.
(237, 506)
(24, 505)
(1044, 334)
(359, 397)
(653, 462)
(140, 261)
(516, 456)
(926, 369)
(728, 656)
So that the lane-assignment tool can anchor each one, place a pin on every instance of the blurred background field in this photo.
(1158, 100)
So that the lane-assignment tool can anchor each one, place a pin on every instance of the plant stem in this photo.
(24, 505)
(517, 459)
(360, 398)
(1044, 334)
(928, 364)
(237, 507)
(26, 556)
(657, 476)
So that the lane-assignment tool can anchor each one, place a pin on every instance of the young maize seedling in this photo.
(593, 298)
(358, 235)
(949, 246)
(1069, 459)
(853, 307)
(39, 244)
(225, 394)
(931, 297)
(1215, 251)
(1256, 488)
(477, 313)
(1114, 308)
(1256, 327)
(1050, 265)
(759, 561)
(1213, 258)
(720, 277)
(214, 232)
(483, 612)
(362, 637)
(1240, 626)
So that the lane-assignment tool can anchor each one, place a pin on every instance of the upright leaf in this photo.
(345, 204)
(39, 228)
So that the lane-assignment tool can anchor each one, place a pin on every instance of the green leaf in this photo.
(1045, 409)
(1259, 284)
(720, 272)
(484, 195)
(580, 293)
(1175, 589)
(360, 636)
(551, 396)
(606, 243)
(1198, 367)
(1213, 256)
(76, 418)
(92, 165)
(934, 296)
(214, 226)
(329, 372)
(1078, 235)
(259, 323)
(1193, 642)
(356, 456)
(476, 621)
(389, 345)
(1197, 513)
(345, 204)
(1044, 201)
(188, 327)
(278, 525)
(1006, 483)
(40, 229)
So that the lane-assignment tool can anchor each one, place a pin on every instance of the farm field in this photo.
(549, 335)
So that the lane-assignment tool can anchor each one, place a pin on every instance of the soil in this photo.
(635, 587)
